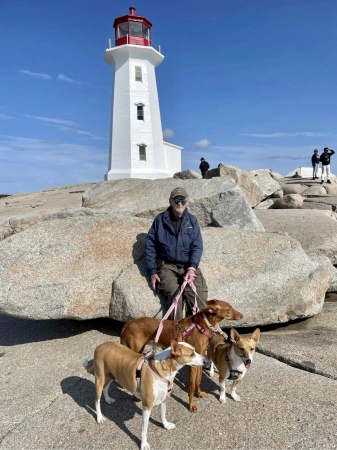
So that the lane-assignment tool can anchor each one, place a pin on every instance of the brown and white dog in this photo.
(232, 359)
(137, 333)
(148, 379)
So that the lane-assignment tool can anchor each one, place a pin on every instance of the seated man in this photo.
(173, 251)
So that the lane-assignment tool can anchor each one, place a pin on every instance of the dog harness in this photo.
(155, 374)
(233, 374)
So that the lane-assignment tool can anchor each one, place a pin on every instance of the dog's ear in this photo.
(234, 335)
(212, 307)
(256, 335)
(175, 349)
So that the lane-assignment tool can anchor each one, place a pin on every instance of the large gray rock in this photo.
(290, 201)
(188, 175)
(217, 201)
(315, 230)
(316, 189)
(268, 277)
(84, 264)
(293, 188)
(243, 179)
(265, 181)
(64, 267)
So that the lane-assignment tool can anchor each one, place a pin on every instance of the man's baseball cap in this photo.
(178, 192)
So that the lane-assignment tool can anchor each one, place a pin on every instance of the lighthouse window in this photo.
(123, 29)
(145, 32)
(142, 153)
(136, 29)
(138, 73)
(140, 112)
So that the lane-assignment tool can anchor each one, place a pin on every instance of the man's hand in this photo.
(154, 279)
(190, 274)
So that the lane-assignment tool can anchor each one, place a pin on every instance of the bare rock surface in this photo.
(266, 182)
(84, 264)
(289, 201)
(20, 211)
(188, 175)
(283, 404)
(218, 201)
(315, 230)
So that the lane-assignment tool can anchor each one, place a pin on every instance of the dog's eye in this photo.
(251, 349)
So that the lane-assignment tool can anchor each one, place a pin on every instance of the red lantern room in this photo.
(132, 29)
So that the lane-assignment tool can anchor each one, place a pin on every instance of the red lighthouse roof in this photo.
(132, 29)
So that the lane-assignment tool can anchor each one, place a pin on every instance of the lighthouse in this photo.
(137, 149)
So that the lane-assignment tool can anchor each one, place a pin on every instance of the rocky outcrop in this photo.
(290, 201)
(265, 181)
(249, 187)
(20, 211)
(217, 202)
(188, 175)
(315, 230)
(85, 264)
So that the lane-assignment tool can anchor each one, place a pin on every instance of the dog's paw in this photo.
(110, 400)
(100, 419)
(145, 447)
(222, 398)
(193, 408)
(202, 394)
(235, 397)
(169, 426)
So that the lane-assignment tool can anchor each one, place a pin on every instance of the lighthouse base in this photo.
(151, 175)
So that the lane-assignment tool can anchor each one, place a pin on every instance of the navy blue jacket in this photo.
(325, 157)
(183, 249)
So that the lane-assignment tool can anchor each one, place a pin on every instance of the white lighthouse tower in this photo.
(137, 149)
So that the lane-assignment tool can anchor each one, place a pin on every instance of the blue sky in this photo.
(246, 83)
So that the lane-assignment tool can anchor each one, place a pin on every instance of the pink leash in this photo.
(175, 305)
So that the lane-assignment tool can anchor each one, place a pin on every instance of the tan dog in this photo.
(150, 382)
(137, 333)
(232, 359)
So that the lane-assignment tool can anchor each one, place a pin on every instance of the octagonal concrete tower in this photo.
(137, 149)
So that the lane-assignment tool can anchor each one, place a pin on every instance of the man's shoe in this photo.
(313, 178)
(316, 178)
(322, 182)
(329, 181)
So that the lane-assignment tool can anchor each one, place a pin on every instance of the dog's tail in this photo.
(89, 366)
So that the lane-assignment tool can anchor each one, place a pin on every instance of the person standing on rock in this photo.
(204, 166)
(325, 160)
(315, 164)
(173, 251)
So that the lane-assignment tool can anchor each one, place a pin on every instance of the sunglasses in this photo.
(178, 200)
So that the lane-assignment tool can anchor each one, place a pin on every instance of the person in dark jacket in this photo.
(204, 166)
(315, 164)
(173, 251)
(325, 160)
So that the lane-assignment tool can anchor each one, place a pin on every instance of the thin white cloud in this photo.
(203, 143)
(52, 120)
(43, 76)
(5, 117)
(277, 135)
(62, 77)
(67, 130)
(168, 133)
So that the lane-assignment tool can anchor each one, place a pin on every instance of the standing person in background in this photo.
(315, 163)
(325, 160)
(204, 166)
